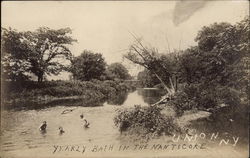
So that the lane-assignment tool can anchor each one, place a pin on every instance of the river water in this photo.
(20, 135)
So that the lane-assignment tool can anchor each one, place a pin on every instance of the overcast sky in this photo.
(104, 27)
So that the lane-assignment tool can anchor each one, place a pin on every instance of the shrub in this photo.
(193, 96)
(145, 121)
(229, 96)
(181, 102)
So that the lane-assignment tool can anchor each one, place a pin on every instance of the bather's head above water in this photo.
(43, 126)
(61, 131)
(81, 116)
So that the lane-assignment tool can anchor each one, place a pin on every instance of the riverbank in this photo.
(94, 91)
(154, 121)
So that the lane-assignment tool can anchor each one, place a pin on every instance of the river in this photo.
(20, 135)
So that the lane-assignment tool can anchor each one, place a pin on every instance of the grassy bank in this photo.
(89, 91)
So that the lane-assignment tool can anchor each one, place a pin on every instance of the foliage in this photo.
(194, 96)
(118, 99)
(145, 120)
(117, 71)
(14, 69)
(216, 70)
(207, 37)
(88, 90)
(88, 66)
(147, 78)
(223, 54)
(190, 68)
(214, 75)
(162, 66)
(40, 52)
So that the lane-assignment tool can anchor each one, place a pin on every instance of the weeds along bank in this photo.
(88, 91)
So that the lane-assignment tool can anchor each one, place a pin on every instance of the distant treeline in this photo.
(92, 91)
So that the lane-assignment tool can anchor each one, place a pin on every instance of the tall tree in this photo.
(224, 52)
(88, 66)
(40, 52)
(118, 71)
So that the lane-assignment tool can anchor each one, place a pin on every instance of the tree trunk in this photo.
(162, 82)
(40, 77)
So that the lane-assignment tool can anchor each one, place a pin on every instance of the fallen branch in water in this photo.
(67, 111)
(162, 101)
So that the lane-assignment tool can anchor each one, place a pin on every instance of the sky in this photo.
(106, 26)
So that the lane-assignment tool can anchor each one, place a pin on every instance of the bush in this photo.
(145, 121)
(182, 102)
(195, 97)
(229, 96)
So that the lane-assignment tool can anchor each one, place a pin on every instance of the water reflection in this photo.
(69, 102)
(150, 96)
(118, 99)
(143, 97)
(140, 96)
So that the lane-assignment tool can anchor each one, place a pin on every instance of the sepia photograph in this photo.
(125, 79)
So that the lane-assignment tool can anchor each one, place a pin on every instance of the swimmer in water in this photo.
(81, 116)
(86, 125)
(43, 126)
(61, 131)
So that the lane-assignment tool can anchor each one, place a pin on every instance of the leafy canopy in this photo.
(118, 71)
(40, 52)
(88, 66)
(221, 56)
